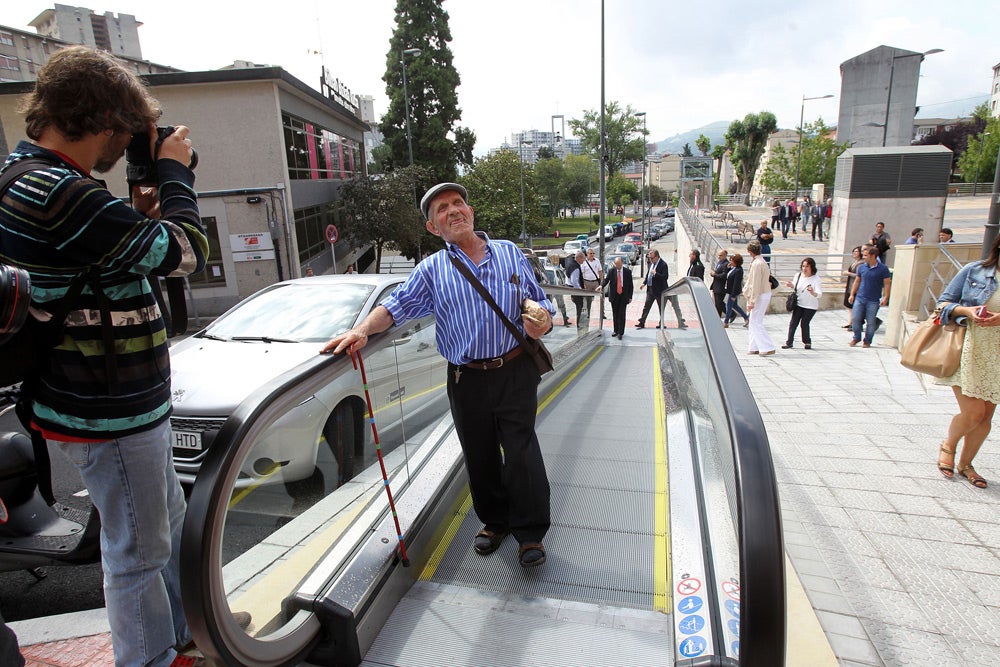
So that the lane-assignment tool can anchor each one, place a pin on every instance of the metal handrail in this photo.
(757, 507)
(943, 269)
(830, 265)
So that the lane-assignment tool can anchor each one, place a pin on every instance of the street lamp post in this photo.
(798, 158)
(979, 158)
(888, 98)
(520, 163)
(642, 193)
(406, 98)
(562, 132)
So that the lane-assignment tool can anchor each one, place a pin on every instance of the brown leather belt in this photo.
(496, 362)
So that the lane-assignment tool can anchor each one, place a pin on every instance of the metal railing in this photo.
(829, 267)
(943, 269)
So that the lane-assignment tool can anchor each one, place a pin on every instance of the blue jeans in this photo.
(864, 310)
(132, 483)
(785, 224)
(732, 307)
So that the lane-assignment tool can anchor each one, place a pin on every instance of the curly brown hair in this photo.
(83, 91)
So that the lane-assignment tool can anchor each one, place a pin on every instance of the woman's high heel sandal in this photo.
(975, 479)
(947, 471)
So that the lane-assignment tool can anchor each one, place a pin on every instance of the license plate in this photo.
(187, 440)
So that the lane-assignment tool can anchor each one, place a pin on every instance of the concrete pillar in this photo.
(903, 187)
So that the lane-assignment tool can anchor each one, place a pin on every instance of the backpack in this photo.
(23, 340)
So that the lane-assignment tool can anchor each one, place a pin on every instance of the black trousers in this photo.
(720, 302)
(618, 307)
(494, 413)
(10, 655)
(651, 299)
(803, 316)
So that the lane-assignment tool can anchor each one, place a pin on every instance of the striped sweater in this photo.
(56, 223)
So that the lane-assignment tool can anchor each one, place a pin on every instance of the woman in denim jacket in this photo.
(976, 383)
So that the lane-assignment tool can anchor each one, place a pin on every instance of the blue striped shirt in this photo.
(467, 328)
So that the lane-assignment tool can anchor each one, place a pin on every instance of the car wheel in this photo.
(344, 436)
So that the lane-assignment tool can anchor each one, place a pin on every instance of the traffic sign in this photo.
(331, 233)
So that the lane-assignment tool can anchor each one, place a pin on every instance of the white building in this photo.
(995, 91)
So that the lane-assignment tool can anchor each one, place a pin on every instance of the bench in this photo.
(742, 231)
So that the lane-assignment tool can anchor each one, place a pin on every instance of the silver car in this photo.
(277, 329)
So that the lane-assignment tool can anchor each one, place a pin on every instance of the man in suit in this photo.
(696, 269)
(656, 280)
(619, 284)
(718, 287)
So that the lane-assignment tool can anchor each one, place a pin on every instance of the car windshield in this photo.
(294, 312)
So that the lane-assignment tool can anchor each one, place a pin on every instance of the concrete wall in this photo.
(853, 221)
(864, 94)
(914, 265)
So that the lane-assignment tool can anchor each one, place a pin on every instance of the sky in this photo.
(686, 64)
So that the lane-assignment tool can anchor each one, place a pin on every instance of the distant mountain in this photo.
(959, 109)
(715, 131)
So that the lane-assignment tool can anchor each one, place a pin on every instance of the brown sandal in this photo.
(531, 554)
(975, 479)
(947, 471)
(486, 541)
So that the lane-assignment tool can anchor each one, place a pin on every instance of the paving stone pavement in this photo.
(901, 565)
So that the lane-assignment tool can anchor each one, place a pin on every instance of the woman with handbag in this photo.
(852, 273)
(734, 287)
(806, 291)
(972, 300)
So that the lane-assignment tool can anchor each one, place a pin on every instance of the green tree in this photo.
(378, 210)
(549, 181)
(981, 161)
(746, 140)
(432, 86)
(579, 179)
(818, 163)
(626, 140)
(621, 190)
(686, 151)
(494, 185)
(545, 152)
(703, 143)
(656, 193)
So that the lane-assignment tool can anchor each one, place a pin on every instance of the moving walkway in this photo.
(665, 546)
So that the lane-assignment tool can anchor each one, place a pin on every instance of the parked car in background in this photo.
(668, 213)
(272, 332)
(635, 238)
(629, 250)
(571, 247)
(668, 225)
(609, 232)
(609, 260)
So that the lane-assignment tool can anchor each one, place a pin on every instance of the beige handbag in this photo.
(934, 349)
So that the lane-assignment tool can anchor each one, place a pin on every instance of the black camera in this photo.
(141, 166)
(15, 297)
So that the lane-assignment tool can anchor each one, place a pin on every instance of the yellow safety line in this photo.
(661, 558)
(465, 502)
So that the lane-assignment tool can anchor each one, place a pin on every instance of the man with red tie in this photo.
(619, 288)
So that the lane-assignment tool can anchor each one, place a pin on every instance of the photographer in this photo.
(103, 394)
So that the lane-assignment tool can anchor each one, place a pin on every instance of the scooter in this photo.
(35, 530)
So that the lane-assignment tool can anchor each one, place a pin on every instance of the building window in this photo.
(6, 38)
(310, 223)
(9, 62)
(214, 272)
(315, 153)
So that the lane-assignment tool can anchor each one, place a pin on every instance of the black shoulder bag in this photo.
(792, 301)
(536, 348)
